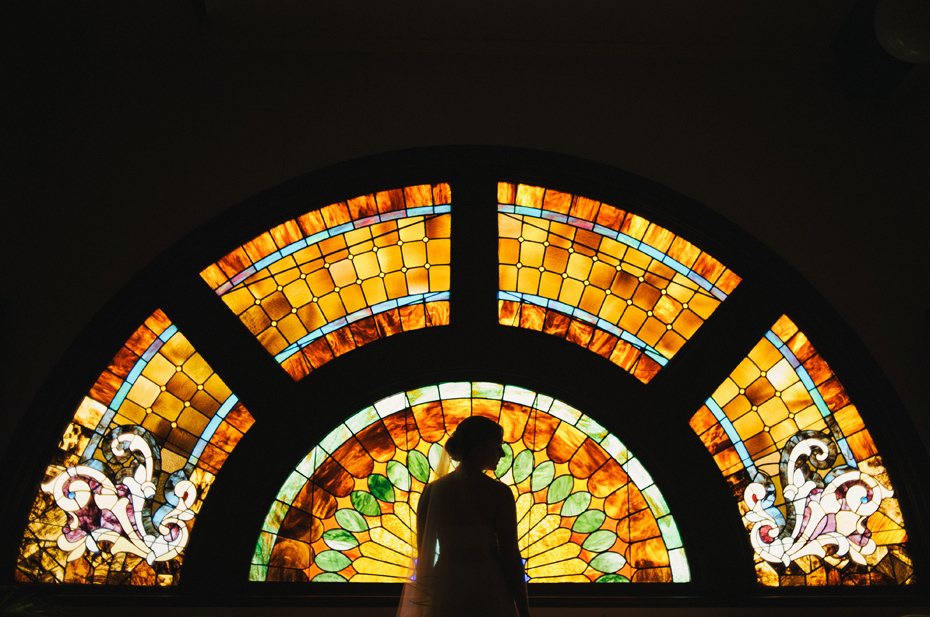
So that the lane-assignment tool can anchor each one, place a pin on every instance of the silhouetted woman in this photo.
(469, 564)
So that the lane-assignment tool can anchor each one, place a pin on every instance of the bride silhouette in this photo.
(469, 563)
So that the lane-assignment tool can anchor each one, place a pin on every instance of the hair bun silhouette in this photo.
(471, 433)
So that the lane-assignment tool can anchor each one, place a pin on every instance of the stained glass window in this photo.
(811, 486)
(119, 499)
(587, 509)
(342, 276)
(605, 279)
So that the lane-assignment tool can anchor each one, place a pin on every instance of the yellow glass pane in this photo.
(579, 266)
(320, 282)
(528, 280)
(390, 258)
(414, 254)
(331, 305)
(571, 291)
(531, 254)
(438, 251)
(343, 273)
(439, 277)
(412, 230)
(417, 280)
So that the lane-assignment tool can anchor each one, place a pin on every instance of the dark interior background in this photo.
(130, 124)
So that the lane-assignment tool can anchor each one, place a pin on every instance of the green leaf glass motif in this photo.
(560, 489)
(503, 466)
(435, 454)
(542, 476)
(329, 577)
(381, 488)
(608, 562)
(522, 466)
(612, 578)
(398, 475)
(576, 504)
(351, 520)
(418, 465)
(599, 541)
(332, 561)
(339, 540)
(568, 524)
(589, 521)
(365, 503)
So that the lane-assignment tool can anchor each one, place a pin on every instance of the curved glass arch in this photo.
(337, 278)
(134, 466)
(812, 489)
(605, 279)
(587, 510)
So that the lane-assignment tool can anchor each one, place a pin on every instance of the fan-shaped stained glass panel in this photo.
(342, 276)
(134, 465)
(811, 486)
(587, 510)
(603, 278)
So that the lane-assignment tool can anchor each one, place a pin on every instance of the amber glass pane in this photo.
(812, 489)
(587, 510)
(602, 278)
(141, 451)
(342, 276)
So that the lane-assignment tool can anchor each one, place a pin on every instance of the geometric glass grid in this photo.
(587, 510)
(811, 487)
(342, 276)
(119, 498)
(602, 278)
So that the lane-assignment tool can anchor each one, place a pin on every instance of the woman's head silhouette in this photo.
(471, 434)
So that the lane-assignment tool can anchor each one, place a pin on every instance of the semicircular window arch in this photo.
(587, 510)
(145, 445)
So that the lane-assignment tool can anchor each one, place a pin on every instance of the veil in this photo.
(420, 593)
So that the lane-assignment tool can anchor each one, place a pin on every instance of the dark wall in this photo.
(130, 124)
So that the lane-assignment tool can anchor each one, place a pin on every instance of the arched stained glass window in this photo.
(812, 489)
(119, 499)
(145, 446)
(342, 276)
(587, 510)
(605, 279)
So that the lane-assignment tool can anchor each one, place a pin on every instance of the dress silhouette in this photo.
(468, 562)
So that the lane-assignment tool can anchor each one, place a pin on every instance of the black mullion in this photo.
(474, 280)
(233, 352)
(716, 348)
(264, 388)
(719, 544)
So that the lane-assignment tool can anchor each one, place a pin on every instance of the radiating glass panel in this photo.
(813, 492)
(133, 467)
(587, 510)
(602, 278)
(337, 278)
